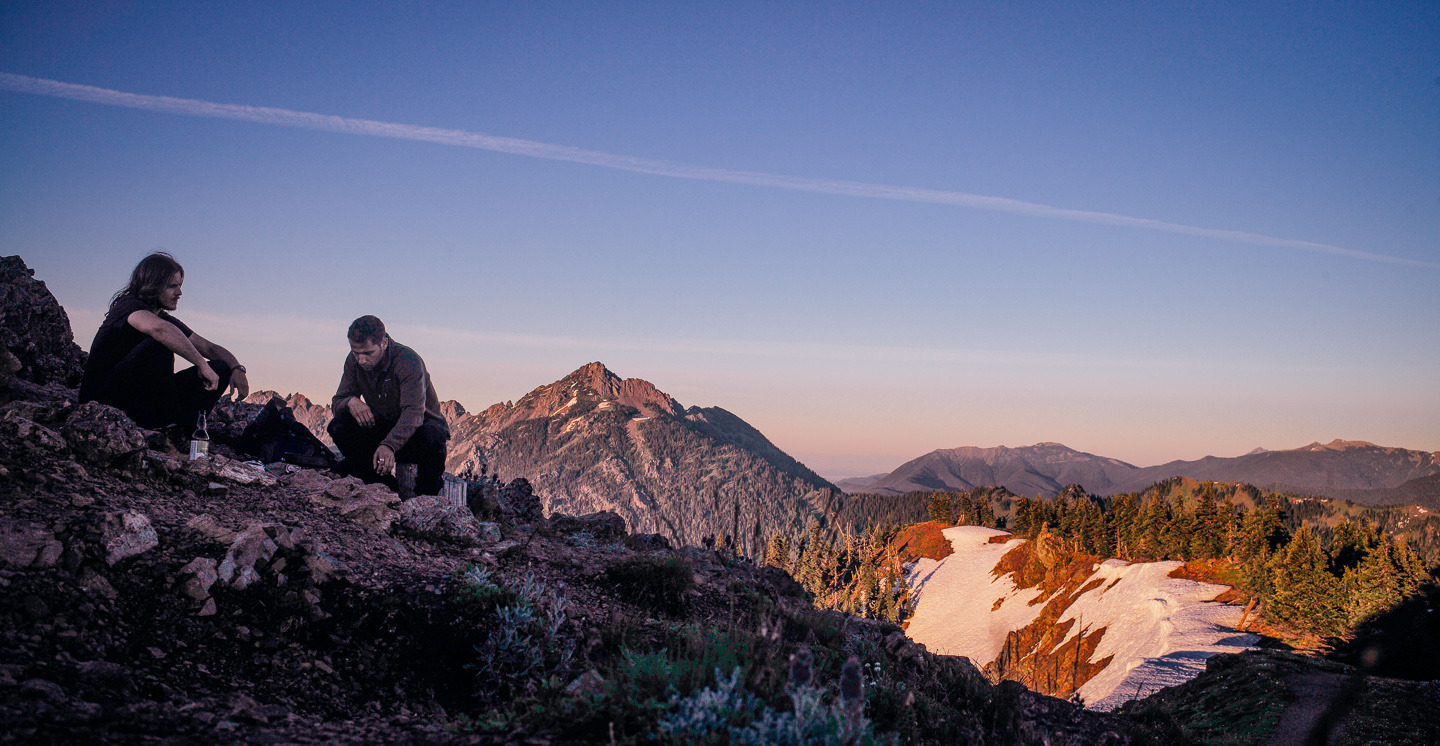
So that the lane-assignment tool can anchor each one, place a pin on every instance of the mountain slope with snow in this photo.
(1156, 630)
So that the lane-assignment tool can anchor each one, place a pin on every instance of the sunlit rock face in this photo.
(593, 442)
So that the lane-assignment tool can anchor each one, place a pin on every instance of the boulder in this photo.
(247, 556)
(20, 433)
(780, 581)
(306, 482)
(206, 526)
(96, 585)
(434, 517)
(229, 470)
(102, 435)
(126, 534)
(104, 676)
(647, 542)
(22, 544)
(35, 330)
(369, 511)
(519, 502)
(196, 578)
(490, 533)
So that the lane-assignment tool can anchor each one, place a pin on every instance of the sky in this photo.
(1147, 231)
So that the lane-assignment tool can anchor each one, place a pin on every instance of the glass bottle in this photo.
(200, 441)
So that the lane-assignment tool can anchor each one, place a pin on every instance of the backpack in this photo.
(275, 435)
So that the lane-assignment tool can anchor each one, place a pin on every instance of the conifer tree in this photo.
(965, 513)
(1306, 596)
(940, 508)
(1123, 518)
(1371, 586)
(984, 512)
(777, 552)
(1150, 530)
(1207, 530)
(1353, 540)
(1023, 518)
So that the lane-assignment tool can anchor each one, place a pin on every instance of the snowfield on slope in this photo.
(1160, 629)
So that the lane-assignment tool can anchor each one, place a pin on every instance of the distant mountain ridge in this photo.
(1354, 470)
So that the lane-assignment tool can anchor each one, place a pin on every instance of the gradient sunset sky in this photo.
(1145, 230)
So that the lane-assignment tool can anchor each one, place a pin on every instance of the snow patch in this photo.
(1159, 629)
(566, 406)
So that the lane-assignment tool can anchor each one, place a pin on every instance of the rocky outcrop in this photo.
(127, 534)
(34, 330)
(438, 518)
(102, 435)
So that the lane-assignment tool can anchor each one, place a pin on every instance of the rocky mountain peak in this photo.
(594, 385)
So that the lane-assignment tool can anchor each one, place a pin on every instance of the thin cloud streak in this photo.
(531, 148)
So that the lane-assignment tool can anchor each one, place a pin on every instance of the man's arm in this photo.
(349, 388)
(170, 335)
(238, 380)
(409, 373)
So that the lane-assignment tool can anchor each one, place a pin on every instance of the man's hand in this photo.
(207, 374)
(384, 460)
(239, 384)
(363, 416)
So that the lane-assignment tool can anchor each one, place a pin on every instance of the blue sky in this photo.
(1217, 230)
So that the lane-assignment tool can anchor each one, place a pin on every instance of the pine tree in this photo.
(777, 552)
(1123, 518)
(984, 513)
(1306, 596)
(1023, 519)
(1207, 534)
(965, 513)
(1371, 586)
(1150, 529)
(1353, 540)
(941, 509)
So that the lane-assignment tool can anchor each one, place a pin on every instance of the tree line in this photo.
(1323, 582)
(1312, 577)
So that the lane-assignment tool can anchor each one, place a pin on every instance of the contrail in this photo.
(516, 146)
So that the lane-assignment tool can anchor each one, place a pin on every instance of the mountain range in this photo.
(1353, 470)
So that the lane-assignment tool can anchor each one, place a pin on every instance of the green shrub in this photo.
(523, 649)
(729, 714)
(658, 584)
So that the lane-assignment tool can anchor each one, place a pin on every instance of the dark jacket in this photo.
(398, 390)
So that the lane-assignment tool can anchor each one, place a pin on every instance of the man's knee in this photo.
(433, 441)
(224, 371)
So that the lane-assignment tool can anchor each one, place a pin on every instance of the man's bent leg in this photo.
(426, 449)
(142, 385)
(357, 446)
(192, 398)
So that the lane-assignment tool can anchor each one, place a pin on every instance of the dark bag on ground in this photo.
(275, 435)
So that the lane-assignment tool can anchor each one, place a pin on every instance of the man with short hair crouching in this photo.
(386, 411)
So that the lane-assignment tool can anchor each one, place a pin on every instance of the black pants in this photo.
(145, 386)
(425, 449)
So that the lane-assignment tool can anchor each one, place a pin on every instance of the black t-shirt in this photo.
(116, 339)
